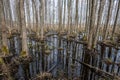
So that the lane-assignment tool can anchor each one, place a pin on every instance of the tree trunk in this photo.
(24, 34)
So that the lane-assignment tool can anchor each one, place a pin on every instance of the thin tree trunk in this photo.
(3, 27)
(116, 18)
(102, 2)
(24, 34)
(107, 21)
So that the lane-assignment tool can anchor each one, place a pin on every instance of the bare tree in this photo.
(24, 34)
(91, 26)
(105, 32)
(100, 10)
(116, 18)
(76, 15)
(3, 27)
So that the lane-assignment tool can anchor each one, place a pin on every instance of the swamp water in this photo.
(64, 59)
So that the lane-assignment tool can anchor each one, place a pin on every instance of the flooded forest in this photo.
(59, 39)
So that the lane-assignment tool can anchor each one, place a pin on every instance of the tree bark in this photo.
(24, 34)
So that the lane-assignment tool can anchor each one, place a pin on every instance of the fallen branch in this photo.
(53, 67)
(97, 70)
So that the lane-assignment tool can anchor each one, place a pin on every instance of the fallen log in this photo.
(53, 67)
(98, 71)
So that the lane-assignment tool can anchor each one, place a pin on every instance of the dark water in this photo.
(52, 59)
